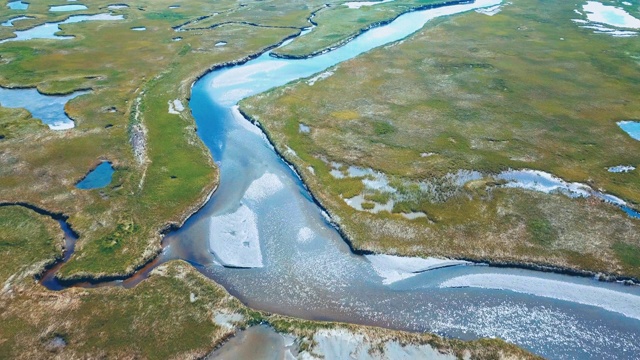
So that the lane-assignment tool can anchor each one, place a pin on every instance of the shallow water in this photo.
(610, 15)
(62, 8)
(257, 342)
(631, 127)
(263, 342)
(10, 22)
(47, 108)
(49, 30)
(547, 183)
(97, 178)
(117, 6)
(18, 5)
(606, 19)
(304, 268)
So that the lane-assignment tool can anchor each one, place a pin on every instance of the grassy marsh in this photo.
(133, 76)
(27, 242)
(525, 88)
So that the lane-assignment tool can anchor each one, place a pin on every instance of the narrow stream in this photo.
(283, 255)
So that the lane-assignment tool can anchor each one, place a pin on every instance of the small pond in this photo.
(49, 30)
(606, 19)
(117, 6)
(48, 108)
(62, 8)
(610, 15)
(18, 5)
(97, 178)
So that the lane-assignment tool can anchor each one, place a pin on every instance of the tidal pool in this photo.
(18, 5)
(49, 30)
(47, 108)
(63, 8)
(295, 262)
(97, 178)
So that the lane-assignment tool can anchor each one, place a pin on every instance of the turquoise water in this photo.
(62, 8)
(631, 127)
(18, 5)
(97, 178)
(613, 18)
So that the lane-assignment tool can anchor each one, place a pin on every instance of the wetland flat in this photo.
(399, 151)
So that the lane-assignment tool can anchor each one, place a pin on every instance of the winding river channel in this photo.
(268, 243)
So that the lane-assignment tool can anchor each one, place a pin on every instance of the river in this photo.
(282, 254)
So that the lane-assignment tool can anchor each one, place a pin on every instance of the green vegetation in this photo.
(163, 173)
(159, 312)
(541, 231)
(133, 76)
(629, 254)
(525, 88)
(27, 241)
(271, 13)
